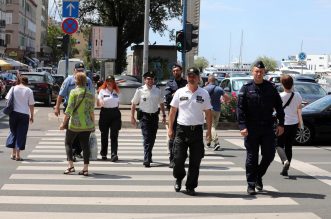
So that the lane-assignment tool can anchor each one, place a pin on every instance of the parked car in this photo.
(9, 78)
(233, 85)
(58, 79)
(44, 87)
(2, 88)
(317, 121)
(309, 91)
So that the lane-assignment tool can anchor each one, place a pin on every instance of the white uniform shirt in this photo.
(23, 98)
(110, 99)
(148, 99)
(291, 111)
(191, 106)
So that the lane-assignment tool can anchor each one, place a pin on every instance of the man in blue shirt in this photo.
(215, 92)
(68, 84)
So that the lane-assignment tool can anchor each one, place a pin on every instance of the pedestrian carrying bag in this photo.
(66, 122)
(9, 108)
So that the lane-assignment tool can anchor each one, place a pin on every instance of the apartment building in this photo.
(42, 50)
(2, 27)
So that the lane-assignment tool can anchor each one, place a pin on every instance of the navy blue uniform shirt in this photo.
(256, 103)
(171, 88)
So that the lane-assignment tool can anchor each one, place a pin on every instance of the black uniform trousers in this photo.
(263, 136)
(172, 141)
(149, 125)
(188, 137)
(110, 119)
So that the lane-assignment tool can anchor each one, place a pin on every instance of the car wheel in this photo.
(48, 102)
(304, 136)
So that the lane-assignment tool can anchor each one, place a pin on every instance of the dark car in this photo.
(58, 79)
(309, 91)
(317, 121)
(43, 85)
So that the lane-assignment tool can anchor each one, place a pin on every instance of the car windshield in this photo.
(8, 76)
(35, 78)
(313, 89)
(237, 84)
(320, 104)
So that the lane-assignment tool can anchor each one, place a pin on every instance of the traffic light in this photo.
(191, 36)
(180, 40)
(63, 42)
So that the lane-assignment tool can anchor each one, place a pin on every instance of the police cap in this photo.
(193, 70)
(149, 74)
(110, 78)
(177, 66)
(259, 64)
(79, 66)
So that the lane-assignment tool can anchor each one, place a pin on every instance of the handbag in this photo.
(66, 122)
(9, 108)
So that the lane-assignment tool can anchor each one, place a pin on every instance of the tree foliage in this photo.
(269, 63)
(128, 17)
(201, 63)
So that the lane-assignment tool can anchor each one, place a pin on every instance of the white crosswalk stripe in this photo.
(126, 189)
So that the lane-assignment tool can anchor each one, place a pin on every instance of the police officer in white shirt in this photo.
(191, 102)
(149, 99)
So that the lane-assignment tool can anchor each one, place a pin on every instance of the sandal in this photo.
(83, 172)
(19, 159)
(13, 157)
(69, 170)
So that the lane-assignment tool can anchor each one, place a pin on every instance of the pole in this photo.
(302, 60)
(146, 33)
(67, 56)
(184, 30)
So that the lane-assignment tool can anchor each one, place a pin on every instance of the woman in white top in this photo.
(20, 117)
(110, 117)
(293, 120)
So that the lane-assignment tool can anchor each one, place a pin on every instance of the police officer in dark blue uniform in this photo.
(149, 99)
(256, 103)
(171, 87)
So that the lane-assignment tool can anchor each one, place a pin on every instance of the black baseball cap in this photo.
(79, 66)
(193, 70)
(176, 66)
(259, 64)
(150, 74)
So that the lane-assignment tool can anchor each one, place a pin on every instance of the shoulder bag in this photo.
(9, 104)
(66, 122)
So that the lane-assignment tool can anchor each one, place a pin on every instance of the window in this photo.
(321, 57)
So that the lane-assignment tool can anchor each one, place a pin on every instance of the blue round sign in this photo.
(302, 56)
(70, 25)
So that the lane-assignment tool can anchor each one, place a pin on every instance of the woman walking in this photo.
(80, 116)
(19, 118)
(293, 120)
(110, 117)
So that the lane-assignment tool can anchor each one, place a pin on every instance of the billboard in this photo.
(104, 43)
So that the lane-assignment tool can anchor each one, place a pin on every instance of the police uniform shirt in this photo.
(148, 99)
(171, 87)
(110, 98)
(191, 105)
(69, 84)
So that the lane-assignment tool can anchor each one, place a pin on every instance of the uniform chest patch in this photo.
(200, 100)
(115, 95)
(106, 96)
(183, 98)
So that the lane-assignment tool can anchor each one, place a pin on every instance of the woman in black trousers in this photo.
(110, 117)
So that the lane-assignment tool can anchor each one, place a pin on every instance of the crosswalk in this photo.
(125, 189)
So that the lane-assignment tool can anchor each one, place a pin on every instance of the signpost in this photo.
(70, 8)
(69, 25)
(302, 57)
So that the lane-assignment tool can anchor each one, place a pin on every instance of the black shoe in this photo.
(286, 166)
(217, 147)
(208, 145)
(284, 173)
(114, 158)
(147, 164)
(178, 185)
(259, 184)
(190, 192)
(171, 164)
(104, 157)
(251, 190)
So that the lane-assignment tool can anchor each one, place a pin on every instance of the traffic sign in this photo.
(69, 25)
(302, 56)
(70, 8)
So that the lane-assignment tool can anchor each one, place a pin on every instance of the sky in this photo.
(272, 28)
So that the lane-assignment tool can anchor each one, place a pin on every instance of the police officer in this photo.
(149, 99)
(191, 102)
(171, 87)
(256, 103)
(67, 85)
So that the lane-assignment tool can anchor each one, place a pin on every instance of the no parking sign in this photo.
(69, 25)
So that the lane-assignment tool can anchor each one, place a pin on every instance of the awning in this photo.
(4, 65)
(16, 64)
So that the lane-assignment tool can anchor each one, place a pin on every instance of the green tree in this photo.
(128, 17)
(270, 63)
(201, 63)
(54, 31)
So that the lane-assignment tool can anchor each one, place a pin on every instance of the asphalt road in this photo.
(37, 187)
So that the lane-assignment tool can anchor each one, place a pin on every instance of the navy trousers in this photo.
(149, 125)
(18, 125)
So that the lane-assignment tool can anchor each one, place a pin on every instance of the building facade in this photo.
(319, 63)
(42, 51)
(2, 27)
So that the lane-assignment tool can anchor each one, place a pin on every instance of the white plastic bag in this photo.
(93, 143)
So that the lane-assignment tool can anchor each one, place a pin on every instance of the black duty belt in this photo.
(151, 114)
(191, 127)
